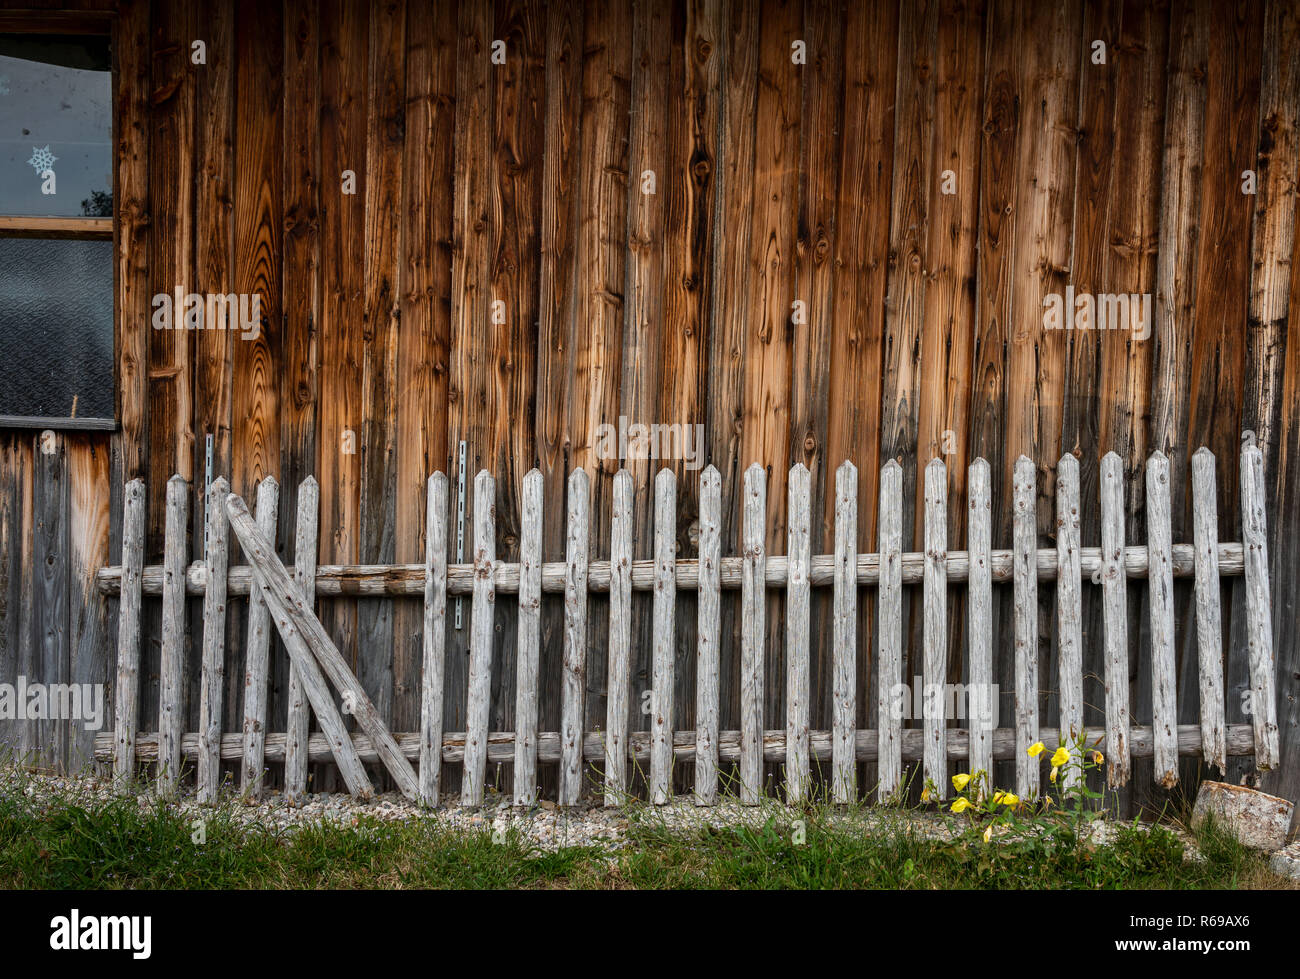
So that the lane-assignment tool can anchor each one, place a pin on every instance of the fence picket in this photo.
(1025, 547)
(844, 665)
(934, 633)
(662, 666)
(798, 772)
(257, 656)
(574, 689)
(1259, 610)
(620, 641)
(1209, 618)
(980, 606)
(298, 727)
(890, 722)
(708, 624)
(480, 640)
(126, 706)
(1114, 606)
(1160, 578)
(434, 646)
(530, 619)
(753, 634)
(216, 558)
(1069, 610)
(171, 674)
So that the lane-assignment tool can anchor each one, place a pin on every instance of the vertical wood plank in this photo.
(664, 669)
(480, 640)
(216, 559)
(1069, 607)
(1115, 619)
(1209, 617)
(573, 699)
(620, 640)
(890, 630)
(171, 681)
(298, 713)
(257, 656)
(48, 598)
(752, 634)
(706, 683)
(935, 628)
(434, 642)
(844, 657)
(89, 641)
(127, 690)
(1025, 564)
(1259, 609)
(980, 596)
(530, 611)
(798, 555)
(1160, 584)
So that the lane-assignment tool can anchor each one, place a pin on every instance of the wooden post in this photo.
(709, 619)
(889, 722)
(753, 594)
(529, 645)
(1115, 619)
(126, 707)
(480, 640)
(257, 656)
(304, 574)
(171, 678)
(434, 645)
(980, 611)
(798, 774)
(1259, 609)
(216, 559)
(844, 656)
(665, 603)
(620, 640)
(935, 629)
(1160, 578)
(1025, 561)
(1069, 608)
(574, 690)
(1209, 618)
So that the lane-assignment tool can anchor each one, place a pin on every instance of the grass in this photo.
(83, 843)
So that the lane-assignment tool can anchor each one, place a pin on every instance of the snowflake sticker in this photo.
(42, 160)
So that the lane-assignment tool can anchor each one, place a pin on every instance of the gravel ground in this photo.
(545, 826)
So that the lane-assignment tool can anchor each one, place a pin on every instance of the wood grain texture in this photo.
(798, 773)
(980, 609)
(1069, 612)
(126, 689)
(663, 664)
(1115, 613)
(1161, 602)
(480, 639)
(1026, 628)
(215, 560)
(1259, 617)
(257, 655)
(298, 714)
(935, 624)
(434, 636)
(171, 683)
(575, 635)
(706, 676)
(620, 640)
(753, 626)
(530, 611)
(890, 630)
(1209, 616)
(845, 638)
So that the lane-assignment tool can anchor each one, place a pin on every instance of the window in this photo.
(56, 229)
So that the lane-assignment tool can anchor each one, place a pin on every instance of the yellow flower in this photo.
(960, 780)
(961, 805)
(1005, 798)
(925, 795)
(1061, 757)
(988, 833)
(1052, 777)
(1047, 802)
(1098, 758)
(1036, 749)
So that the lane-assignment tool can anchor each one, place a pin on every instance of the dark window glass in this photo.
(56, 112)
(56, 327)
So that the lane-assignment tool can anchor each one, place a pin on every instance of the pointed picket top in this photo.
(978, 463)
(577, 479)
(482, 478)
(798, 467)
(709, 472)
(756, 469)
(268, 481)
(220, 484)
(1068, 461)
(309, 481)
(177, 478)
(1157, 456)
(1203, 452)
(665, 477)
(533, 473)
(891, 465)
(435, 477)
(622, 476)
(1023, 460)
(847, 466)
(1111, 458)
(937, 465)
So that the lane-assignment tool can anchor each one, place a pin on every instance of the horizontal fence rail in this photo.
(285, 599)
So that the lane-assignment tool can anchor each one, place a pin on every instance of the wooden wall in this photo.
(822, 183)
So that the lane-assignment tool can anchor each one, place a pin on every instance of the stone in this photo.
(1286, 862)
(1256, 818)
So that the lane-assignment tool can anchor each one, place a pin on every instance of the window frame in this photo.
(78, 228)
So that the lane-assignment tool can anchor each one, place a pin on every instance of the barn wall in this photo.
(824, 184)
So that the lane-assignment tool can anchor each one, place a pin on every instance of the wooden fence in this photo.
(277, 597)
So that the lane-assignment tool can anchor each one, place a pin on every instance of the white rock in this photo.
(1286, 861)
(1256, 818)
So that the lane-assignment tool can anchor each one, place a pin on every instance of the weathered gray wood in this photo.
(216, 558)
(1259, 609)
(890, 630)
(798, 771)
(171, 676)
(979, 605)
(1209, 617)
(434, 647)
(482, 616)
(844, 655)
(1114, 605)
(1069, 609)
(934, 633)
(126, 709)
(708, 622)
(1164, 704)
(257, 656)
(529, 645)
(311, 647)
(620, 641)
(573, 703)
(753, 634)
(298, 724)
(662, 665)
(1024, 545)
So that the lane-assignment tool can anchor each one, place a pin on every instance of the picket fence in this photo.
(285, 600)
